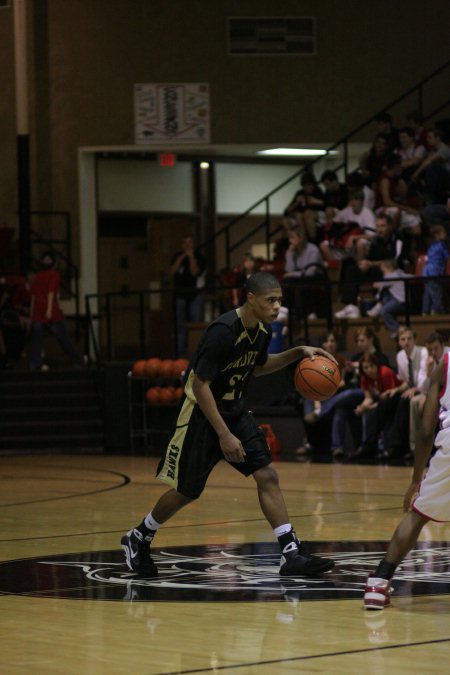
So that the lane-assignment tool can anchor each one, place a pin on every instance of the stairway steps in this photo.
(57, 400)
(50, 410)
(52, 441)
(43, 414)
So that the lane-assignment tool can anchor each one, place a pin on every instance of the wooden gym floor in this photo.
(68, 604)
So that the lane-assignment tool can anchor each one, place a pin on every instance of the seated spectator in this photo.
(355, 183)
(384, 126)
(351, 231)
(409, 152)
(307, 205)
(339, 408)
(380, 385)
(437, 256)
(386, 245)
(336, 194)
(391, 294)
(437, 214)
(330, 343)
(303, 260)
(390, 195)
(433, 173)
(249, 266)
(372, 162)
(436, 349)
(411, 363)
(415, 120)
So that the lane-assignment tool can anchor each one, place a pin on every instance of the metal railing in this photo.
(130, 313)
(265, 225)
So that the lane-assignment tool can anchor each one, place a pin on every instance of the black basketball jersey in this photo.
(226, 357)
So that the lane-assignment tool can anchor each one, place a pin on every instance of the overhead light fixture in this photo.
(296, 152)
(204, 165)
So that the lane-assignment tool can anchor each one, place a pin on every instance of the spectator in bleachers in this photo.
(356, 183)
(384, 126)
(391, 295)
(248, 267)
(187, 267)
(307, 205)
(329, 342)
(351, 231)
(411, 360)
(436, 349)
(386, 245)
(335, 196)
(437, 256)
(415, 120)
(437, 214)
(372, 162)
(380, 385)
(303, 261)
(340, 407)
(409, 152)
(391, 193)
(433, 172)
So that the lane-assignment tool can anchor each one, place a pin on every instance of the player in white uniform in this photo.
(431, 496)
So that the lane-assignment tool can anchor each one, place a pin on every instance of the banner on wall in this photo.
(177, 113)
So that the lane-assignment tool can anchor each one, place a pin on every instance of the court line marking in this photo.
(189, 525)
(125, 480)
(348, 652)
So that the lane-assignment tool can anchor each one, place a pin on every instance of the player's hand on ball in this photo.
(310, 352)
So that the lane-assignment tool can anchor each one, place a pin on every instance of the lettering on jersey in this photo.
(245, 360)
(171, 461)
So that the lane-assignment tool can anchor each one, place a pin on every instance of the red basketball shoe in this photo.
(377, 594)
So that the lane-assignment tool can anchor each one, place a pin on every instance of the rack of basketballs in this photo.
(164, 378)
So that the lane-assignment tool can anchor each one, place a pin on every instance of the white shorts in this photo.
(433, 500)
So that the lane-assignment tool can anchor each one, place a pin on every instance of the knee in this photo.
(266, 477)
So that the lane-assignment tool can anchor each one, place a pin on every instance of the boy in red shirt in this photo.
(46, 314)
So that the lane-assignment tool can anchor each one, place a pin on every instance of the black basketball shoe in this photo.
(137, 554)
(300, 563)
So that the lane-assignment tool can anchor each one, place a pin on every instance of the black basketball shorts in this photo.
(194, 449)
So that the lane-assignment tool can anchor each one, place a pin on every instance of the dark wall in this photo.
(86, 55)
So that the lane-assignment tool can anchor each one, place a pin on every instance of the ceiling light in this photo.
(296, 152)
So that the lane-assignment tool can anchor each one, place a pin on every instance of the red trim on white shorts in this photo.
(424, 515)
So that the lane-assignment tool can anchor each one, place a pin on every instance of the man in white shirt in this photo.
(411, 360)
(435, 349)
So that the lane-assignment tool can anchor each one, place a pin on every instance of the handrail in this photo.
(225, 229)
(104, 312)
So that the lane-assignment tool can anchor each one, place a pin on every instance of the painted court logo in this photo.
(223, 573)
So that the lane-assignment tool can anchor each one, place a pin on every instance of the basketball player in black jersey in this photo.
(214, 423)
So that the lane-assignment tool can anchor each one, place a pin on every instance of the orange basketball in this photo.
(138, 368)
(152, 395)
(182, 365)
(317, 379)
(152, 367)
(167, 395)
(166, 369)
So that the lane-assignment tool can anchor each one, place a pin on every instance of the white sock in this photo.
(151, 523)
(282, 529)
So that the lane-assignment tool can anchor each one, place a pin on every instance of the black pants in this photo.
(351, 279)
(391, 417)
